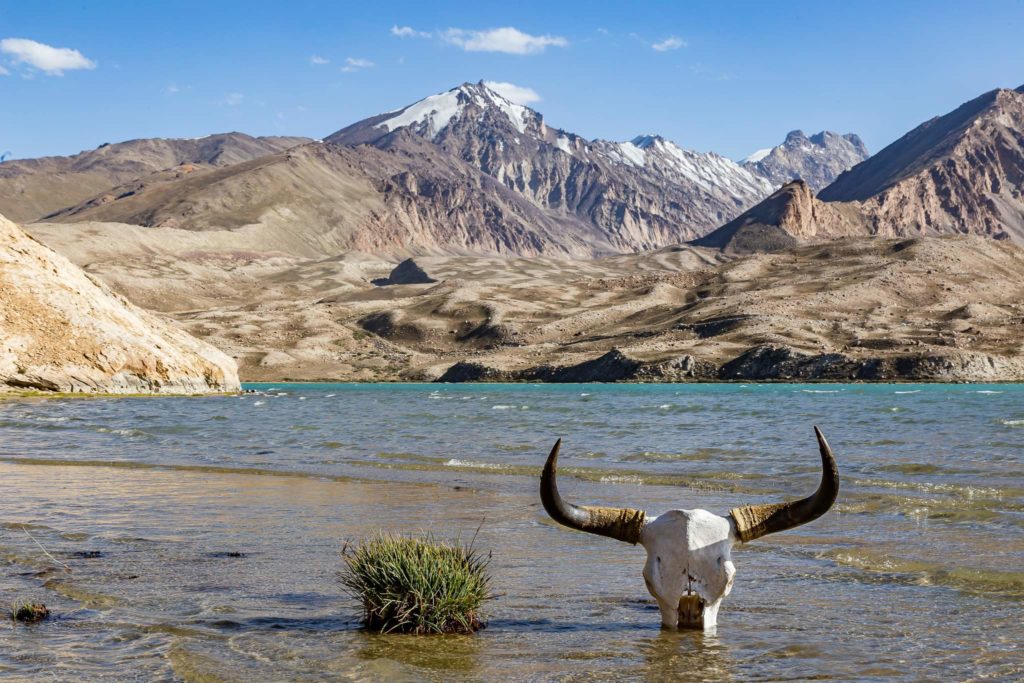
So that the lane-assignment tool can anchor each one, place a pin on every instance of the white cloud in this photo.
(53, 61)
(4, 72)
(514, 93)
(355, 64)
(318, 60)
(670, 43)
(234, 99)
(507, 39)
(408, 32)
(172, 89)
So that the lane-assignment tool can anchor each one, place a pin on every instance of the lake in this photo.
(202, 535)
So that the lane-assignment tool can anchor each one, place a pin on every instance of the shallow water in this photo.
(202, 535)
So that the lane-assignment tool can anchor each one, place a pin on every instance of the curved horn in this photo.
(754, 521)
(623, 524)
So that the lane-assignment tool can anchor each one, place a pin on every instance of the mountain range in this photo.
(465, 171)
(287, 260)
(469, 171)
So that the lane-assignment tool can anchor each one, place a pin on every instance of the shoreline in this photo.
(254, 386)
(12, 394)
(525, 382)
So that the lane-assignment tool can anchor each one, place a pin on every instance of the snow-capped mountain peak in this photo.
(433, 114)
(817, 159)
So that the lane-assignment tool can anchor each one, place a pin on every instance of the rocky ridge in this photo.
(958, 173)
(788, 217)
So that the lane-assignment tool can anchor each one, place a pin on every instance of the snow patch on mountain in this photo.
(758, 155)
(709, 171)
(436, 111)
(631, 154)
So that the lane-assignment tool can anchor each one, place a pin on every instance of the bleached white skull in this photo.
(689, 568)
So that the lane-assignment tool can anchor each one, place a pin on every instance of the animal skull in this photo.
(689, 568)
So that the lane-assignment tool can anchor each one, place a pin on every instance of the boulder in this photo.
(408, 272)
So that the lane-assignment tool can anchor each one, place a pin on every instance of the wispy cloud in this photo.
(172, 89)
(409, 32)
(53, 61)
(356, 64)
(4, 72)
(508, 39)
(514, 93)
(318, 60)
(710, 73)
(234, 99)
(670, 43)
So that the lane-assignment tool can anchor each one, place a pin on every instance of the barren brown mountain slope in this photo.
(62, 331)
(33, 188)
(962, 173)
(926, 308)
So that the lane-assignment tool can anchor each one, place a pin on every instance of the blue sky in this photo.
(729, 77)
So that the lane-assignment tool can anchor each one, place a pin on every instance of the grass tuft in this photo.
(29, 612)
(417, 585)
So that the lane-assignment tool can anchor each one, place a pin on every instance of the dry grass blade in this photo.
(45, 551)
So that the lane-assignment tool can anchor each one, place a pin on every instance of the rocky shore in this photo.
(759, 364)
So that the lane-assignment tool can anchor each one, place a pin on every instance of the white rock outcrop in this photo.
(61, 330)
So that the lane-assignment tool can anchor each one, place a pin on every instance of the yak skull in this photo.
(689, 568)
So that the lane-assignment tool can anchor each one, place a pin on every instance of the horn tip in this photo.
(821, 437)
(553, 455)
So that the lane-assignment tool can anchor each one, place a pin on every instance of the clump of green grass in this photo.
(417, 585)
(29, 612)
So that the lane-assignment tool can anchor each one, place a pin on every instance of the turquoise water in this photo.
(229, 512)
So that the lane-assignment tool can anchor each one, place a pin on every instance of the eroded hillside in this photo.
(862, 308)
